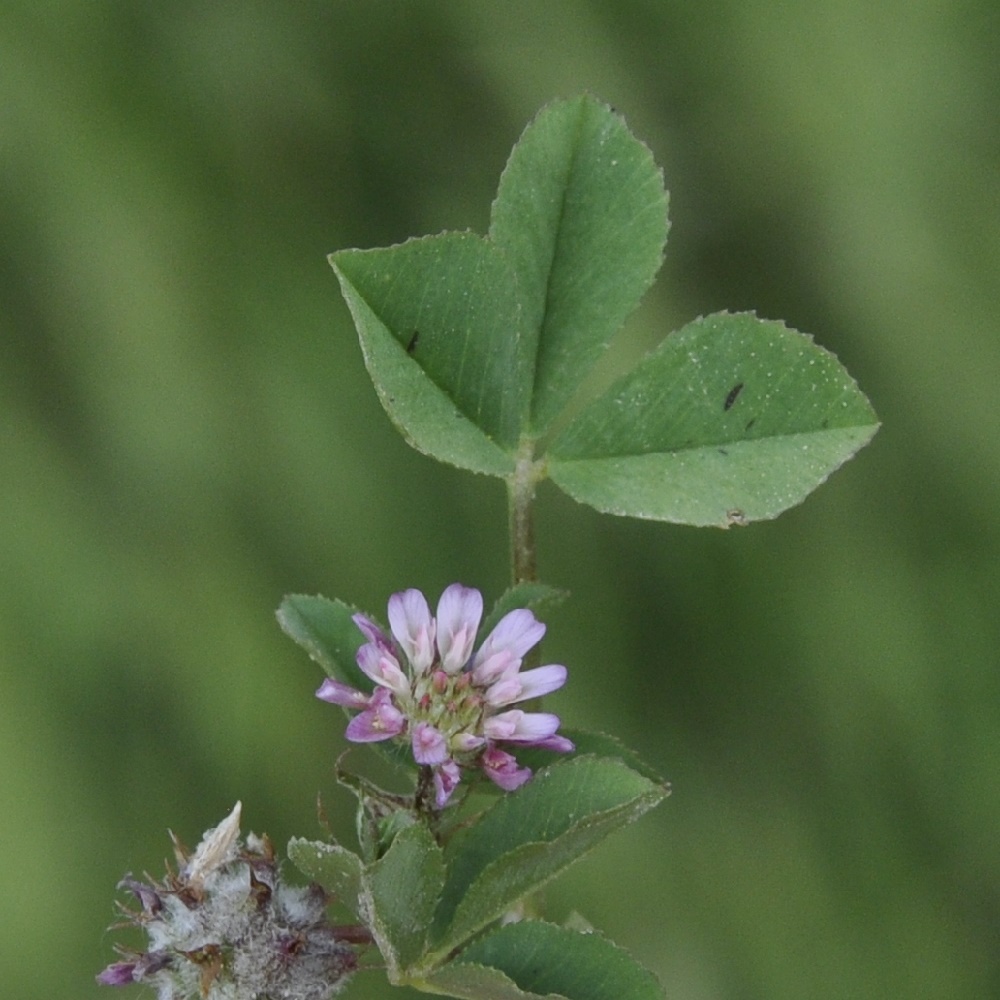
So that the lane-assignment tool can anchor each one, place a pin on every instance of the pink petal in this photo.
(429, 746)
(458, 615)
(341, 694)
(117, 974)
(516, 633)
(556, 742)
(380, 721)
(371, 631)
(501, 768)
(504, 692)
(521, 727)
(466, 742)
(383, 668)
(493, 667)
(412, 625)
(446, 779)
(529, 684)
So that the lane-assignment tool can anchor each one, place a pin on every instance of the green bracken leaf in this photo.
(732, 419)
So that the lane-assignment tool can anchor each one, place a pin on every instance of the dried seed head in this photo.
(227, 927)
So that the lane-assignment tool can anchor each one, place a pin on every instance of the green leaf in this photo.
(476, 982)
(530, 836)
(440, 328)
(582, 215)
(381, 814)
(399, 894)
(596, 744)
(326, 630)
(541, 959)
(332, 866)
(732, 419)
(539, 597)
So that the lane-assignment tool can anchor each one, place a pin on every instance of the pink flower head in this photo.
(448, 703)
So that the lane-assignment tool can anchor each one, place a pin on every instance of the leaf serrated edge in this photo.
(625, 754)
(301, 636)
(615, 818)
(352, 880)
(431, 984)
(622, 953)
(367, 903)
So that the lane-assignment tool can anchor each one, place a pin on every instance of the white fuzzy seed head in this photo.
(226, 927)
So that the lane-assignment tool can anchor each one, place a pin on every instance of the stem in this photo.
(423, 796)
(520, 496)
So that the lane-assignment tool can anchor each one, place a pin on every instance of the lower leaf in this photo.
(542, 960)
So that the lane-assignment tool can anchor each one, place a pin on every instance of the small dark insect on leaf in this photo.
(412, 345)
(733, 393)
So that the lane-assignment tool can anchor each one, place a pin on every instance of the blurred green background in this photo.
(188, 433)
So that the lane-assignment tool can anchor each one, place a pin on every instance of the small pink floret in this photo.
(380, 721)
(517, 632)
(429, 746)
(117, 974)
(521, 727)
(501, 768)
(446, 779)
(342, 694)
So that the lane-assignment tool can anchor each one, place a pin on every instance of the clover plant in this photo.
(481, 350)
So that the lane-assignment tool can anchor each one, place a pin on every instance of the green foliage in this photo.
(400, 892)
(582, 215)
(187, 436)
(478, 347)
(732, 419)
(423, 904)
(325, 629)
(528, 838)
(532, 959)
(329, 865)
(440, 330)
(539, 597)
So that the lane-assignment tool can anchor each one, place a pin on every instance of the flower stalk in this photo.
(520, 514)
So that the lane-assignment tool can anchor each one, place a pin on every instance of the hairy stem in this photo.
(520, 497)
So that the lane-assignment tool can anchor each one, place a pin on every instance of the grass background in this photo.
(188, 433)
